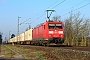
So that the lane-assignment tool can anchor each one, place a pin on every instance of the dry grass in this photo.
(28, 54)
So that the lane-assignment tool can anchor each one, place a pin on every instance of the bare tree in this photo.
(76, 30)
(56, 18)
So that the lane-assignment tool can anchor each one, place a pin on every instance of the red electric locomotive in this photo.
(48, 32)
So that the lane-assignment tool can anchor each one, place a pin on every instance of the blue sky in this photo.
(11, 9)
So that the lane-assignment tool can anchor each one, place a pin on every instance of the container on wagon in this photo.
(28, 35)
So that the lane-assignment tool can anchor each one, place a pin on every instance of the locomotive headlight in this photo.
(50, 32)
(60, 32)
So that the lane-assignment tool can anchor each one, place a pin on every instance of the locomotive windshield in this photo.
(59, 26)
(51, 26)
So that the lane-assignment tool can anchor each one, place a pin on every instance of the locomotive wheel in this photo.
(44, 45)
(48, 43)
(56, 41)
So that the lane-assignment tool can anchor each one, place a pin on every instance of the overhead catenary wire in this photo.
(74, 5)
(49, 7)
(41, 12)
(25, 21)
(64, 14)
(58, 4)
(81, 6)
(52, 8)
(53, 3)
(44, 13)
(77, 9)
(38, 18)
(70, 7)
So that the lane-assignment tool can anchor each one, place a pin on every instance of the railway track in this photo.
(72, 52)
(85, 50)
(61, 47)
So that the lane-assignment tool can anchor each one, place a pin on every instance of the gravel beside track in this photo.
(62, 53)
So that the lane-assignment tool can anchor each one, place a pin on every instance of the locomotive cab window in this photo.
(59, 26)
(51, 26)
